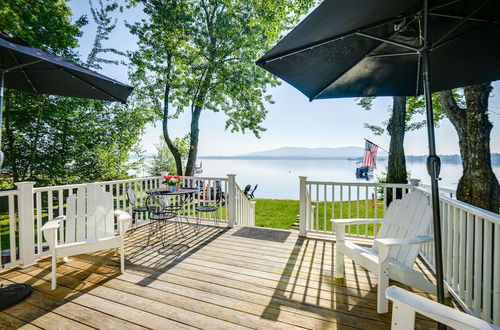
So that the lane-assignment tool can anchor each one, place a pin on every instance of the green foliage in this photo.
(163, 161)
(105, 25)
(199, 55)
(415, 105)
(45, 24)
(55, 140)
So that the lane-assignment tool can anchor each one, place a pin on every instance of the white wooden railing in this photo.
(338, 200)
(245, 209)
(470, 236)
(24, 210)
(471, 254)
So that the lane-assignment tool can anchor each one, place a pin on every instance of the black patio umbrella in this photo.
(29, 69)
(392, 48)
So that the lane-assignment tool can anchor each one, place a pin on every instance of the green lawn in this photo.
(279, 213)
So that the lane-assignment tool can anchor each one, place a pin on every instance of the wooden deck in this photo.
(213, 280)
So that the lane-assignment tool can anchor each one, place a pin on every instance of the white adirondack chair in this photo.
(405, 304)
(88, 226)
(395, 247)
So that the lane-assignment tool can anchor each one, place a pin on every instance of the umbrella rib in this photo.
(393, 54)
(24, 73)
(445, 42)
(475, 19)
(462, 21)
(20, 66)
(332, 39)
(90, 84)
(395, 43)
(352, 66)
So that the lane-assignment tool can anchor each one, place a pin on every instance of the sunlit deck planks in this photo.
(213, 280)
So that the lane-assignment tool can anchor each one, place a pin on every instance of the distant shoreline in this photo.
(495, 158)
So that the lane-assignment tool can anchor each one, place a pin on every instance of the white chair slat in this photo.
(93, 209)
(81, 211)
(70, 224)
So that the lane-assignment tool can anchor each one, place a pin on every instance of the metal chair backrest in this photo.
(247, 189)
(255, 188)
(89, 215)
(157, 203)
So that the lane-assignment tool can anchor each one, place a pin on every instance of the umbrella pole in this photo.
(433, 162)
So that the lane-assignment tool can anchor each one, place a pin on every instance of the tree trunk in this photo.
(396, 169)
(173, 149)
(478, 185)
(193, 141)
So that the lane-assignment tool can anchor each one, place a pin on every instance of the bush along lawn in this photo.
(280, 213)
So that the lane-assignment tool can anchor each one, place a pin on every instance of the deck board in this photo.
(213, 280)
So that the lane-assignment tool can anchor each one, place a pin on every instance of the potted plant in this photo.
(173, 182)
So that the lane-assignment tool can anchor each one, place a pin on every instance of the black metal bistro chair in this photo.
(159, 214)
(134, 203)
(246, 192)
(210, 206)
(250, 195)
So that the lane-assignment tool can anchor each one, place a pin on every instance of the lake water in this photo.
(279, 178)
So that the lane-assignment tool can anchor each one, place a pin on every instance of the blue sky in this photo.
(291, 121)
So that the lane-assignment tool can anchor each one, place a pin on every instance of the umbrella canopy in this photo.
(386, 48)
(30, 69)
(371, 48)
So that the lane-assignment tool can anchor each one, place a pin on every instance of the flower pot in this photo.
(177, 187)
(172, 188)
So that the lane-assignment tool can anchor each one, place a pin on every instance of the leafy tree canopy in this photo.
(199, 55)
(415, 105)
(55, 140)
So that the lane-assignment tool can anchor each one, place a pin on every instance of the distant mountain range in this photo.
(351, 153)
(301, 153)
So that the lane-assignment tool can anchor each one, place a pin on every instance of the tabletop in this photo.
(165, 191)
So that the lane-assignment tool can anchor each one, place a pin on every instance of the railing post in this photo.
(26, 224)
(231, 205)
(252, 214)
(302, 206)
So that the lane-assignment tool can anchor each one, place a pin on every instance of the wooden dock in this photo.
(214, 280)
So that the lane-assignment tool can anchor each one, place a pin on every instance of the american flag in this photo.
(370, 154)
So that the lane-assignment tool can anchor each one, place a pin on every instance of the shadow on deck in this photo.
(210, 280)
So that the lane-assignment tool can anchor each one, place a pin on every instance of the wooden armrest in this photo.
(389, 242)
(355, 221)
(441, 313)
(54, 223)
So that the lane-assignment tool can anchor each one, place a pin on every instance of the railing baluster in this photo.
(478, 247)
(12, 229)
(324, 208)
(38, 198)
(455, 248)
(461, 260)
(496, 278)
(469, 273)
(487, 267)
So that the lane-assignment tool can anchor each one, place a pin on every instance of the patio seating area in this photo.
(219, 278)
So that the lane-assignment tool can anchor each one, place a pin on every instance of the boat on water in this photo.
(365, 169)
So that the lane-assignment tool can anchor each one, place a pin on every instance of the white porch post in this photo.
(231, 201)
(303, 206)
(26, 224)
